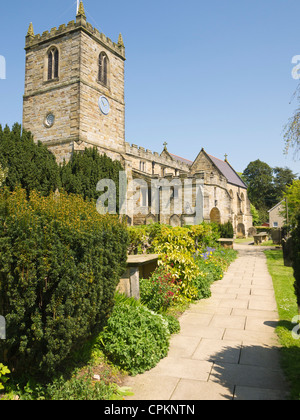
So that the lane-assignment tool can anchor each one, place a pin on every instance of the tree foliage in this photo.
(60, 263)
(292, 197)
(82, 173)
(292, 134)
(27, 164)
(266, 185)
(296, 257)
(259, 178)
(33, 167)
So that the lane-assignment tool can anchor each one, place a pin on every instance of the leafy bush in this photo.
(31, 166)
(173, 323)
(176, 248)
(203, 235)
(144, 239)
(212, 264)
(59, 267)
(81, 388)
(82, 173)
(158, 292)
(3, 378)
(296, 259)
(226, 230)
(135, 338)
(139, 241)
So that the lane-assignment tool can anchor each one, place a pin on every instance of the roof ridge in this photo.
(240, 183)
(224, 161)
(179, 156)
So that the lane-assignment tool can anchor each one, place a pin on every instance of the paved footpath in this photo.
(227, 348)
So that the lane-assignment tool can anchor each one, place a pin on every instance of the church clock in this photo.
(104, 105)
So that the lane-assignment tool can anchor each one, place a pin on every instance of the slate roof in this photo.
(223, 166)
(229, 173)
(181, 159)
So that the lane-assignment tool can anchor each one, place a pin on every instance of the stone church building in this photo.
(74, 98)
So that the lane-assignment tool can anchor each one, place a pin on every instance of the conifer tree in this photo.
(83, 172)
(29, 165)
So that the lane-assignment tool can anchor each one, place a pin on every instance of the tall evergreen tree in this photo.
(30, 165)
(83, 172)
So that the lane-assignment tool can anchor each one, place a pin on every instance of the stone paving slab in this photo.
(243, 393)
(200, 391)
(227, 348)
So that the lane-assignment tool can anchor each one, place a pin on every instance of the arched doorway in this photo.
(215, 215)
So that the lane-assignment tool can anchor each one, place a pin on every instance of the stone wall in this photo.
(73, 100)
(73, 97)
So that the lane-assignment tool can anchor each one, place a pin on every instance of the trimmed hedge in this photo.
(296, 259)
(60, 263)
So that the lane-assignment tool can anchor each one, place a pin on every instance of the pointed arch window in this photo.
(103, 69)
(53, 63)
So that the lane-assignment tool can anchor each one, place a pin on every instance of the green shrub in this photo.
(81, 388)
(84, 170)
(204, 235)
(60, 263)
(296, 259)
(158, 292)
(176, 247)
(31, 166)
(173, 323)
(135, 338)
(212, 264)
(144, 239)
(226, 230)
(3, 378)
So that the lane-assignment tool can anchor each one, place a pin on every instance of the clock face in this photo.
(104, 105)
(49, 120)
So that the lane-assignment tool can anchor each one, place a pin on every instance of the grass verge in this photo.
(283, 281)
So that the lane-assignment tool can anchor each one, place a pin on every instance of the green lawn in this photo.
(283, 281)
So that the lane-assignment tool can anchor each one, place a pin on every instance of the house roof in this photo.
(277, 205)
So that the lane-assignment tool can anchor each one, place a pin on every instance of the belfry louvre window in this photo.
(53, 63)
(103, 69)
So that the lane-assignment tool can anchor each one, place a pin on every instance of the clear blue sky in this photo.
(213, 74)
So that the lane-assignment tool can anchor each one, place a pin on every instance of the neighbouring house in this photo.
(276, 218)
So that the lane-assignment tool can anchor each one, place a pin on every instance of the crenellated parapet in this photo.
(33, 40)
(146, 154)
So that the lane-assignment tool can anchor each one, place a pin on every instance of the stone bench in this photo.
(138, 266)
(226, 242)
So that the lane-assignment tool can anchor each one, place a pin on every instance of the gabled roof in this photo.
(277, 205)
(226, 169)
(181, 159)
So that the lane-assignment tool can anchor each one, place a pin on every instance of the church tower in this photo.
(74, 89)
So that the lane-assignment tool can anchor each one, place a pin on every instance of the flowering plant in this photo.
(158, 292)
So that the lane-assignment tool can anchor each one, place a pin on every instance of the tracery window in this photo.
(53, 63)
(103, 69)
